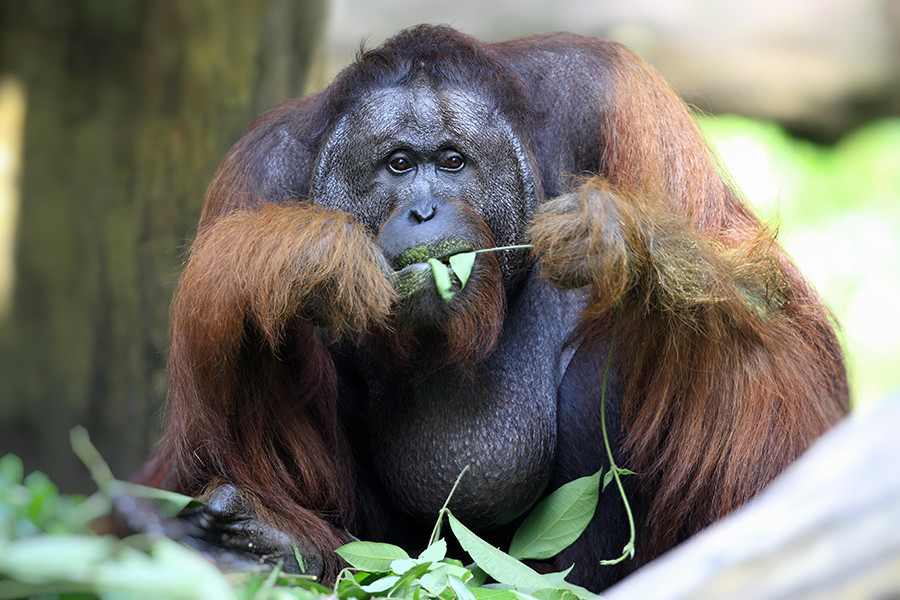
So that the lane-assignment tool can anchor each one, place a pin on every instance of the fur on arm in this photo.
(729, 359)
(253, 390)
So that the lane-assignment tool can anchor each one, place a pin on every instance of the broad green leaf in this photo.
(483, 593)
(557, 520)
(350, 588)
(441, 279)
(402, 565)
(499, 565)
(363, 577)
(580, 592)
(435, 581)
(462, 265)
(478, 576)
(381, 585)
(554, 594)
(452, 569)
(460, 588)
(371, 556)
(407, 579)
(558, 577)
(435, 552)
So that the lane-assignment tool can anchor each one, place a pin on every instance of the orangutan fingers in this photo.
(582, 240)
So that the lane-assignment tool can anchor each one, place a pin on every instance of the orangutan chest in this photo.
(504, 438)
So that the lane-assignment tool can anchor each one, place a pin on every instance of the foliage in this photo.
(47, 548)
(386, 570)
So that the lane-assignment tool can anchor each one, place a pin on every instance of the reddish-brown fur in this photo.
(262, 415)
(729, 361)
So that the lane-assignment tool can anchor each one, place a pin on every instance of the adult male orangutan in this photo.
(319, 384)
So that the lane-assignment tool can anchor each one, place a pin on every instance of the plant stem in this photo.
(628, 550)
(436, 532)
(498, 248)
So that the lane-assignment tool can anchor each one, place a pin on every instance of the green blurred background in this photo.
(114, 115)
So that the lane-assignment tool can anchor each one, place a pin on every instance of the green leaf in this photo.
(554, 594)
(371, 556)
(607, 479)
(350, 588)
(462, 265)
(402, 565)
(557, 520)
(483, 593)
(44, 498)
(478, 576)
(381, 585)
(558, 577)
(499, 565)
(304, 581)
(172, 570)
(452, 569)
(582, 593)
(435, 552)
(265, 590)
(435, 581)
(172, 503)
(80, 514)
(460, 589)
(441, 279)
(407, 579)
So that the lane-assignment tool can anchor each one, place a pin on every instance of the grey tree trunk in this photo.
(131, 104)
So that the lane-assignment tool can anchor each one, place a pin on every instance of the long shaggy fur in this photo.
(252, 391)
(729, 360)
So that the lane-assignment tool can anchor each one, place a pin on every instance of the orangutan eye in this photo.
(452, 161)
(399, 163)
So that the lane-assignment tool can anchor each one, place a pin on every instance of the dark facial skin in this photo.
(424, 170)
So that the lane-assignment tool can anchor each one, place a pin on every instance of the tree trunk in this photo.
(130, 106)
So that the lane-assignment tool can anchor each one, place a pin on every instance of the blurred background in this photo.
(114, 115)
